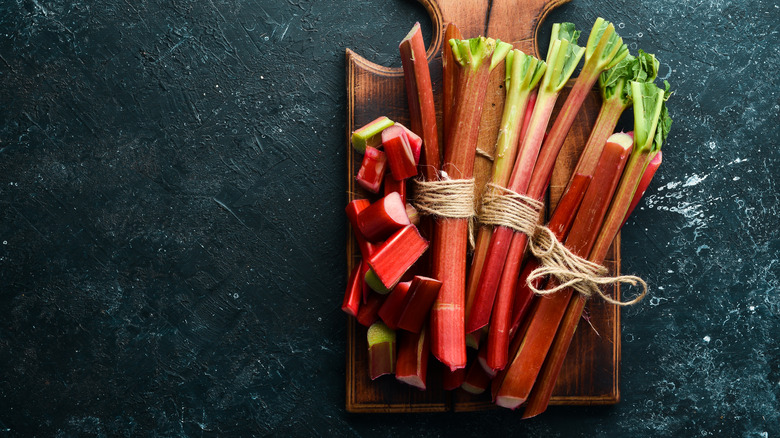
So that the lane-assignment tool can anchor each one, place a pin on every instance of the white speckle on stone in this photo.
(694, 180)
(707, 339)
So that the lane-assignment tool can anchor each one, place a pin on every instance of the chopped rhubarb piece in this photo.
(412, 362)
(370, 134)
(418, 302)
(391, 260)
(477, 379)
(374, 283)
(383, 218)
(412, 214)
(367, 314)
(415, 142)
(381, 350)
(372, 169)
(394, 305)
(351, 303)
(393, 185)
(399, 153)
(452, 380)
(353, 210)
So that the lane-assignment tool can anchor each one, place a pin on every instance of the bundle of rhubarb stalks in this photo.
(517, 294)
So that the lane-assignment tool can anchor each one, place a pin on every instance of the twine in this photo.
(573, 271)
(502, 206)
(485, 154)
(447, 198)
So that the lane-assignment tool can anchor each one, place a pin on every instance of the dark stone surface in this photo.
(172, 179)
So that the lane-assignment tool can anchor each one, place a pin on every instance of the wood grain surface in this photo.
(590, 372)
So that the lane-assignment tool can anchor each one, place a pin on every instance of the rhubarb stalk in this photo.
(651, 126)
(616, 98)
(419, 93)
(546, 316)
(475, 58)
(523, 73)
(562, 58)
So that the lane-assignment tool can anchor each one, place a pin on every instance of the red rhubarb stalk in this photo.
(647, 177)
(547, 315)
(450, 74)
(560, 224)
(651, 126)
(475, 59)
(562, 58)
(412, 359)
(419, 93)
(523, 73)
(616, 98)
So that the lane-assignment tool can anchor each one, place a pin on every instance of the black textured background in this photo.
(172, 238)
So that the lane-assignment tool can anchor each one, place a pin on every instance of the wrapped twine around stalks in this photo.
(446, 198)
(501, 206)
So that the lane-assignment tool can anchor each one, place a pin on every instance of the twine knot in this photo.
(573, 271)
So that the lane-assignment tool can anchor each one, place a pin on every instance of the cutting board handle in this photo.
(514, 21)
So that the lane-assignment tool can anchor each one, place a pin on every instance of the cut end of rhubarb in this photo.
(369, 135)
(381, 350)
(624, 140)
(415, 381)
(471, 389)
(509, 402)
(375, 283)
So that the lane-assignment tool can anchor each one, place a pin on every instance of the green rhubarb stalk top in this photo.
(605, 48)
(471, 53)
(563, 56)
(523, 73)
(614, 82)
(651, 119)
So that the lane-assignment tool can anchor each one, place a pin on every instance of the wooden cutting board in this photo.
(590, 372)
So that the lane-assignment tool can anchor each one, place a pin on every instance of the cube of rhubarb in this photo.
(372, 169)
(383, 218)
(399, 252)
(393, 305)
(367, 314)
(370, 134)
(353, 210)
(418, 302)
(381, 350)
(414, 141)
(399, 153)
